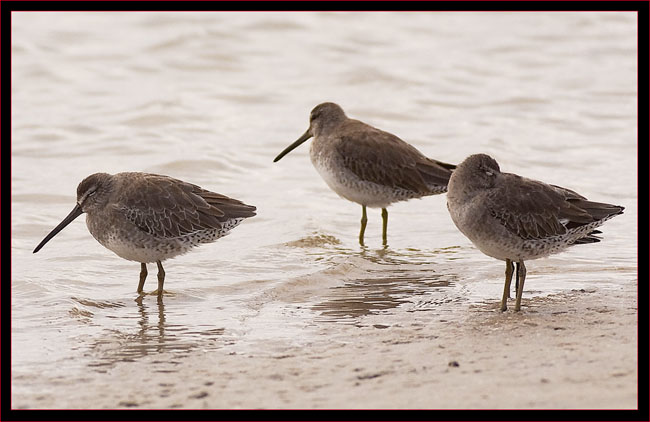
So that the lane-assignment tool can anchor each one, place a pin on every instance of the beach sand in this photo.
(572, 350)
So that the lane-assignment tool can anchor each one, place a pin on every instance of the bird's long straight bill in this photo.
(76, 212)
(288, 149)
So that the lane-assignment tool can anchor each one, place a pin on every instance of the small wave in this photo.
(98, 304)
(149, 120)
(314, 241)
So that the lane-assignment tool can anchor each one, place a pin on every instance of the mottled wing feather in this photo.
(228, 207)
(536, 210)
(168, 207)
(380, 157)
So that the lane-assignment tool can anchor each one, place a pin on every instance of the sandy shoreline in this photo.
(572, 350)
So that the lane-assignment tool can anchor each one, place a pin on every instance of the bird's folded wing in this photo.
(382, 158)
(536, 210)
(172, 208)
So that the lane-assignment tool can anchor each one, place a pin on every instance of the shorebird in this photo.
(368, 166)
(147, 218)
(515, 219)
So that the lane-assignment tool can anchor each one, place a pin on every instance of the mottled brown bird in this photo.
(366, 165)
(147, 217)
(515, 219)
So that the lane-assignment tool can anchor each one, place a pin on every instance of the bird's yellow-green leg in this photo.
(384, 226)
(517, 279)
(509, 275)
(506, 288)
(161, 280)
(143, 276)
(521, 271)
(364, 220)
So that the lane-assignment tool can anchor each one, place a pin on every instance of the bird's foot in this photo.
(164, 292)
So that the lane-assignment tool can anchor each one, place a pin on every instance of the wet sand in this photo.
(570, 350)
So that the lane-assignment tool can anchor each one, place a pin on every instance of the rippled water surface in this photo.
(212, 98)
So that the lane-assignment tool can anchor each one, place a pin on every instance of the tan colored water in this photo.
(212, 98)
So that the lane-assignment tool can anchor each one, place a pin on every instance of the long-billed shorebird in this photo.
(366, 165)
(515, 219)
(148, 218)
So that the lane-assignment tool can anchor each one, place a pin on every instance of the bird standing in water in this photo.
(149, 218)
(368, 166)
(515, 219)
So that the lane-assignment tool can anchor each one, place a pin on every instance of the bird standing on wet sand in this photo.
(366, 165)
(147, 217)
(514, 219)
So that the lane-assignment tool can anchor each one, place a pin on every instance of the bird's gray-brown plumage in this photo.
(148, 218)
(512, 218)
(367, 165)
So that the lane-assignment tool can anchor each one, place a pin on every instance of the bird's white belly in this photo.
(142, 253)
(349, 186)
(141, 247)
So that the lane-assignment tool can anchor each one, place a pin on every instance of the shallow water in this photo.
(212, 98)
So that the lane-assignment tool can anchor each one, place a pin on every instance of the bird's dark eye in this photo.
(488, 171)
(91, 193)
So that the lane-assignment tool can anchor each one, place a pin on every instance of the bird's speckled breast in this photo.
(133, 244)
(470, 218)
